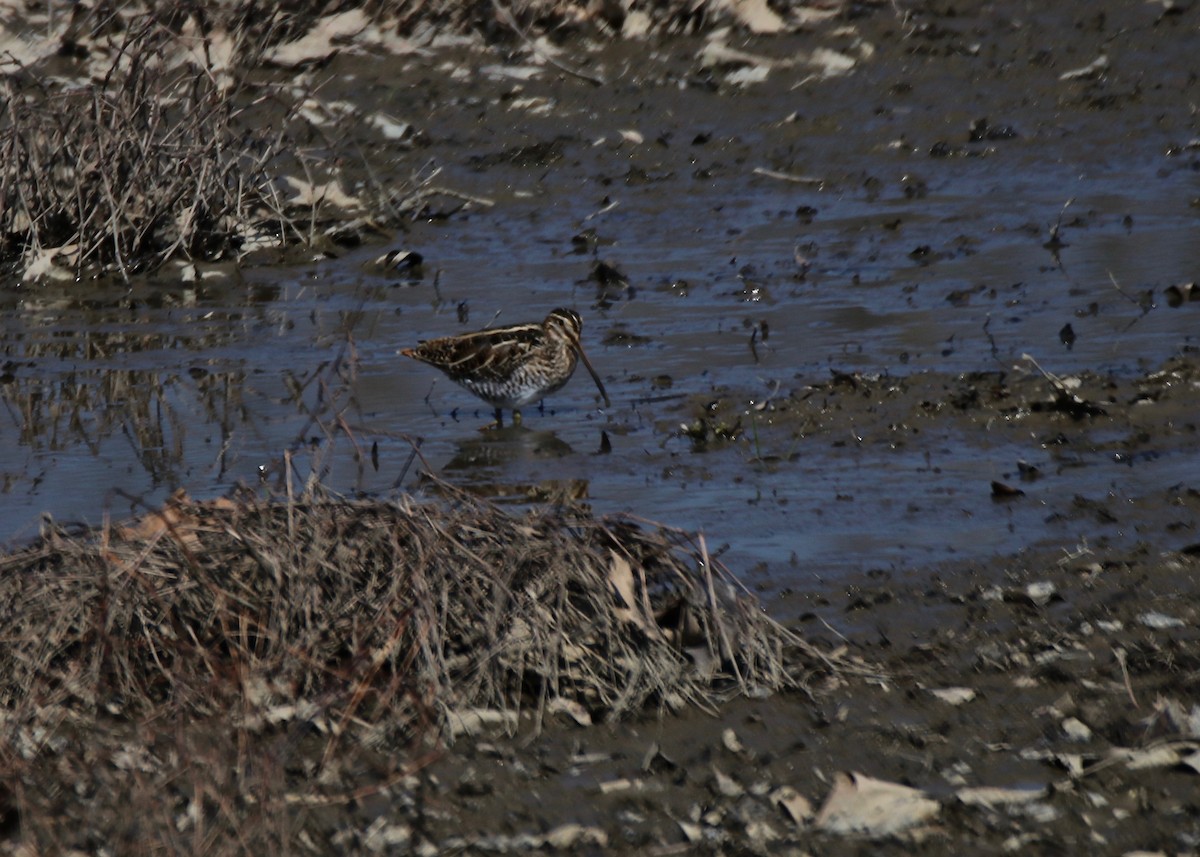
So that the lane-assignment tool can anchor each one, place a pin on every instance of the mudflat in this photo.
(898, 307)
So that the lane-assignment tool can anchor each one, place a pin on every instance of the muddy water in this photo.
(913, 252)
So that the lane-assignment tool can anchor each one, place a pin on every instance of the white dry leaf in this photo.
(573, 654)
(574, 835)
(1160, 621)
(631, 136)
(330, 193)
(390, 127)
(755, 15)
(325, 113)
(473, 721)
(1093, 69)
(636, 25)
(830, 63)
(221, 54)
(342, 109)
(1076, 730)
(716, 53)
(543, 49)
(727, 786)
(313, 116)
(325, 39)
(954, 695)
(1072, 762)
(693, 833)
(992, 796)
(45, 263)
(1191, 760)
(385, 38)
(620, 577)
(796, 805)
(1162, 756)
(1040, 812)
(1041, 592)
(571, 709)
(859, 804)
(134, 757)
(806, 16)
(382, 836)
(185, 220)
(26, 49)
(513, 72)
(732, 742)
(760, 832)
(190, 817)
(440, 38)
(535, 105)
(303, 709)
(748, 75)
(622, 785)
(1172, 718)
(254, 240)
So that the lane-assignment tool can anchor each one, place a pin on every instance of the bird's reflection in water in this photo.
(494, 462)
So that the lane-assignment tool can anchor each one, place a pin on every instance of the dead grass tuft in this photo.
(420, 609)
(257, 660)
(123, 173)
(235, 669)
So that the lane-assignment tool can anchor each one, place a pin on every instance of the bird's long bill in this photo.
(595, 377)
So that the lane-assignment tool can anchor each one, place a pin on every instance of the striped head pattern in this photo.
(564, 325)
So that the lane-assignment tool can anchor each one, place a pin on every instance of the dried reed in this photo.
(151, 162)
(415, 609)
(230, 667)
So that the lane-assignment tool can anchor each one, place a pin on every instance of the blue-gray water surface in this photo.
(890, 257)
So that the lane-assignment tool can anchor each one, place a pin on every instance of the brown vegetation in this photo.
(150, 163)
(124, 141)
(255, 659)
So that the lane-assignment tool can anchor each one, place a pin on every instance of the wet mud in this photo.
(923, 374)
(911, 344)
(1044, 698)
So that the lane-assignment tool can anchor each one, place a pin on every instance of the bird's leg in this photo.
(499, 415)
(516, 417)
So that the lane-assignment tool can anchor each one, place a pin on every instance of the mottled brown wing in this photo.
(488, 355)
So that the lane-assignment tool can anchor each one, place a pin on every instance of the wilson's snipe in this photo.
(509, 367)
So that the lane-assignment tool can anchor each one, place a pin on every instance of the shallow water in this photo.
(913, 264)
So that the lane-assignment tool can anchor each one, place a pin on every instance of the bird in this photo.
(510, 367)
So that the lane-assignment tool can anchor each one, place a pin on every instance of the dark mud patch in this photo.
(1046, 703)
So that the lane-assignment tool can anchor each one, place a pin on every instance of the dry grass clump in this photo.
(151, 162)
(260, 660)
(420, 609)
(134, 134)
